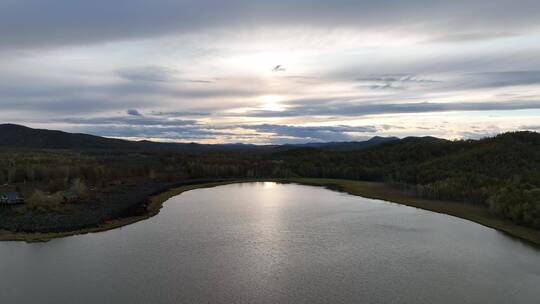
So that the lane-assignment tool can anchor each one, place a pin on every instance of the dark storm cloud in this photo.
(149, 73)
(470, 36)
(500, 79)
(155, 74)
(159, 127)
(141, 126)
(60, 106)
(133, 112)
(461, 59)
(180, 113)
(473, 81)
(316, 133)
(340, 108)
(393, 81)
(130, 120)
(280, 133)
(176, 90)
(71, 97)
(389, 78)
(168, 133)
(535, 127)
(64, 22)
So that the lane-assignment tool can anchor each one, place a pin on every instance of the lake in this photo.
(276, 243)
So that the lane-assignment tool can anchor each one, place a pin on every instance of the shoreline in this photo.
(476, 214)
(372, 190)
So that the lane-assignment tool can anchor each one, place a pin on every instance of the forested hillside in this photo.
(501, 173)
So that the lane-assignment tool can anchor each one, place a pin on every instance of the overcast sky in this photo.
(258, 71)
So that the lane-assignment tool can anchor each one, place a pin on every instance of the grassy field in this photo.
(379, 191)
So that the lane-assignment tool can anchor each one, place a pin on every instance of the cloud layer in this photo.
(271, 71)
(61, 22)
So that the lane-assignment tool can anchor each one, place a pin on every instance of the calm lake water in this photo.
(272, 243)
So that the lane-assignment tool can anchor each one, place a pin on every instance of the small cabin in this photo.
(10, 198)
(69, 197)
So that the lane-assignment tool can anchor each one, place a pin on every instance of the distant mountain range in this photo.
(17, 136)
(344, 146)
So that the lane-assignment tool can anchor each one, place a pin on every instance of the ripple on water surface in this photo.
(274, 243)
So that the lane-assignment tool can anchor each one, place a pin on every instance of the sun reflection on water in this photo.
(269, 185)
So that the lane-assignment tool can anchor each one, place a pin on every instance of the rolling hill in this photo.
(17, 136)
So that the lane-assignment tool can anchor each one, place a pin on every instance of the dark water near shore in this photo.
(268, 243)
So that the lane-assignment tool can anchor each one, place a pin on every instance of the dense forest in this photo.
(501, 173)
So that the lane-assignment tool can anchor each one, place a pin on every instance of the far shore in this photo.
(371, 190)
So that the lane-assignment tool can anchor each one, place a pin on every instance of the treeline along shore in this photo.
(77, 183)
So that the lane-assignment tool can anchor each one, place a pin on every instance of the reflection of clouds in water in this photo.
(249, 243)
